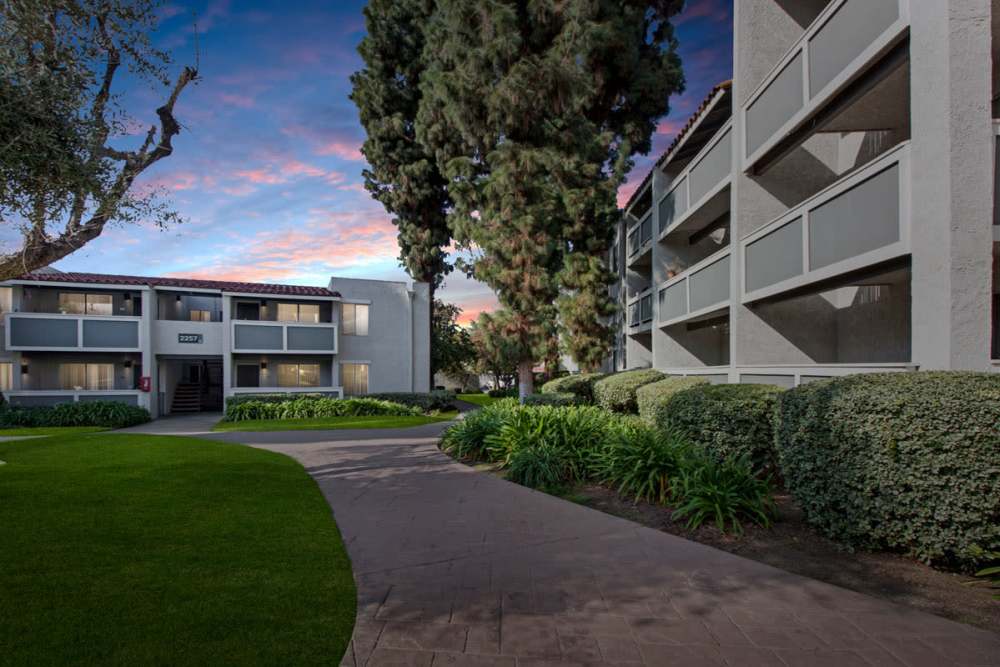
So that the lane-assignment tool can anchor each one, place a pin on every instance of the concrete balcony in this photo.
(640, 242)
(700, 193)
(790, 375)
(255, 337)
(844, 41)
(327, 391)
(701, 290)
(859, 221)
(640, 312)
(56, 332)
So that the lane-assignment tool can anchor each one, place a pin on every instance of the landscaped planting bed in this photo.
(311, 408)
(105, 414)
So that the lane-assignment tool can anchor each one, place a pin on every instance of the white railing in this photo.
(681, 285)
(676, 206)
(835, 49)
(78, 332)
(285, 345)
(790, 263)
(288, 390)
(75, 395)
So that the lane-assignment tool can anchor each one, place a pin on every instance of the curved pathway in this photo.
(456, 567)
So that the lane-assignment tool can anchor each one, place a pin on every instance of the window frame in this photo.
(87, 303)
(87, 385)
(206, 315)
(352, 330)
(298, 367)
(349, 386)
(298, 312)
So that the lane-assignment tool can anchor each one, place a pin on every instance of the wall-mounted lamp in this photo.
(178, 299)
(263, 365)
(128, 296)
(128, 363)
(24, 369)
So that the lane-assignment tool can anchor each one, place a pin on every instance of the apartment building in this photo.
(182, 345)
(831, 209)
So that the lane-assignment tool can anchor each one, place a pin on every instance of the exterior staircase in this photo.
(187, 398)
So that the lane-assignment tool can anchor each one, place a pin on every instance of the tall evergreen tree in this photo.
(402, 175)
(534, 110)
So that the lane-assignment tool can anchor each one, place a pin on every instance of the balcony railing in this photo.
(861, 220)
(331, 391)
(844, 39)
(699, 290)
(709, 172)
(640, 309)
(56, 332)
(283, 337)
(48, 397)
(640, 235)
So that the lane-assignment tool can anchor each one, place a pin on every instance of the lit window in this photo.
(6, 376)
(87, 376)
(309, 312)
(298, 312)
(6, 299)
(298, 375)
(76, 303)
(354, 321)
(201, 316)
(354, 379)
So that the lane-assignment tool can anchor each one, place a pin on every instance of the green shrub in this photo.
(581, 384)
(728, 421)
(902, 461)
(617, 392)
(312, 408)
(561, 398)
(109, 414)
(652, 398)
(722, 492)
(275, 397)
(466, 439)
(502, 393)
(641, 461)
(542, 467)
(439, 399)
(574, 431)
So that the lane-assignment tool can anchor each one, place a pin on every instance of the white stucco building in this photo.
(181, 345)
(832, 209)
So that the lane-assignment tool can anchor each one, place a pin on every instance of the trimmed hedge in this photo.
(439, 399)
(502, 393)
(552, 398)
(581, 384)
(109, 414)
(652, 398)
(617, 392)
(902, 461)
(729, 421)
(311, 408)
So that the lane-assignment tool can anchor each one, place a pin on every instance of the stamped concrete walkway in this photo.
(456, 567)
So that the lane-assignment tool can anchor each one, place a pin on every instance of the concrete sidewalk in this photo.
(455, 567)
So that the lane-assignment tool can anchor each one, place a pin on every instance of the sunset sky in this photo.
(267, 172)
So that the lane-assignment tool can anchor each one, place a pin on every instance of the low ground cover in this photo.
(333, 423)
(107, 414)
(137, 549)
(477, 399)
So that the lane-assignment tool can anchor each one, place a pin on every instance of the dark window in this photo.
(247, 311)
(247, 375)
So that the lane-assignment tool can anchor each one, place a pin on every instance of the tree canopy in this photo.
(65, 170)
(452, 351)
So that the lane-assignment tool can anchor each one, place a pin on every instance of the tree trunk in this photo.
(525, 379)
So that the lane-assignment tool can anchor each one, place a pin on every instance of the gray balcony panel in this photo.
(106, 333)
(862, 219)
(40, 401)
(673, 301)
(776, 105)
(712, 169)
(849, 31)
(42, 332)
(710, 285)
(311, 338)
(258, 337)
(674, 205)
(128, 399)
(775, 257)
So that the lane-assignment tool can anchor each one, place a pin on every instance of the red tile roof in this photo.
(691, 121)
(193, 283)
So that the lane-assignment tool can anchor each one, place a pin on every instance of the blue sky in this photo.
(267, 172)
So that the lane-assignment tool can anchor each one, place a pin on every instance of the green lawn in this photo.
(49, 430)
(330, 423)
(135, 549)
(482, 400)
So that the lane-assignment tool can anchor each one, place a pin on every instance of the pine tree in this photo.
(401, 174)
(534, 111)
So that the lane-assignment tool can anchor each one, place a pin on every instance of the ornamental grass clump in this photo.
(312, 408)
(542, 467)
(641, 461)
(722, 492)
(467, 439)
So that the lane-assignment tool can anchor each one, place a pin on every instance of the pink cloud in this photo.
(626, 190)
(327, 142)
(341, 149)
(237, 100)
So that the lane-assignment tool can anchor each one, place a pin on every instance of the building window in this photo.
(6, 300)
(247, 375)
(354, 379)
(298, 312)
(298, 375)
(354, 320)
(201, 316)
(87, 376)
(6, 376)
(78, 303)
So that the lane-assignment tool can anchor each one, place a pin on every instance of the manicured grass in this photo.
(331, 423)
(49, 430)
(482, 400)
(136, 549)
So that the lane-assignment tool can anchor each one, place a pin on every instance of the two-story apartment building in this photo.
(831, 210)
(181, 345)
